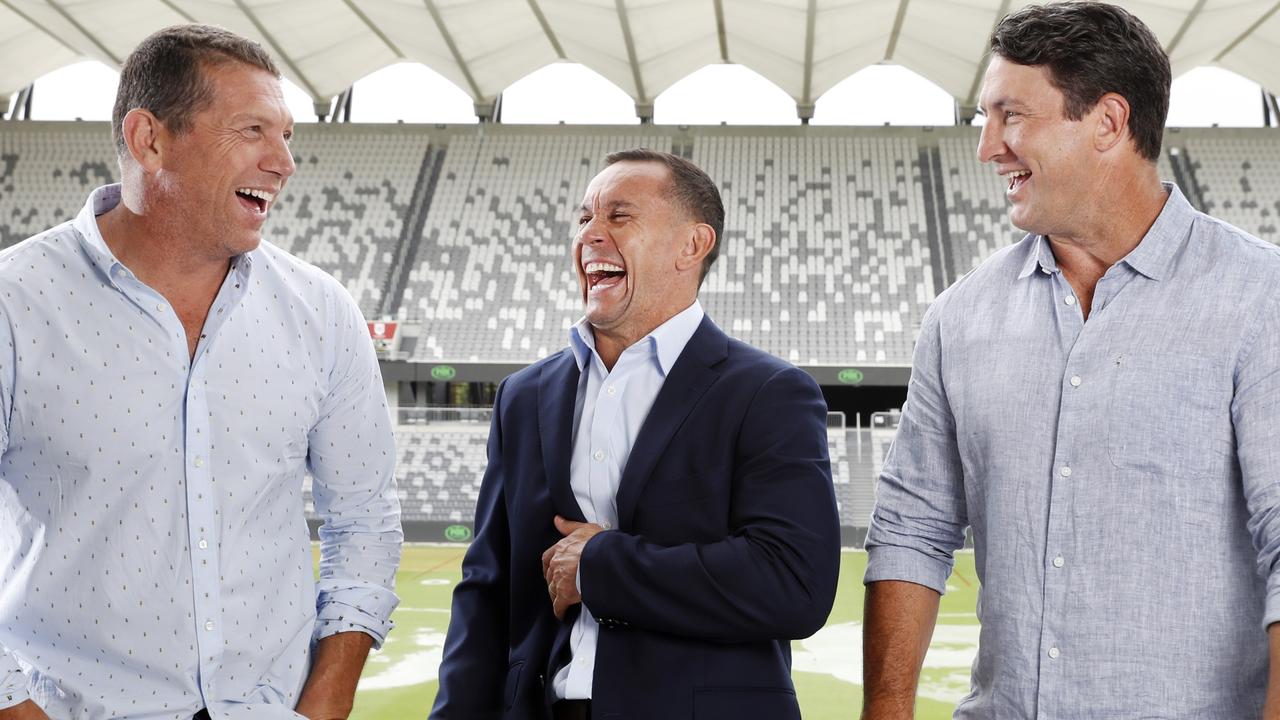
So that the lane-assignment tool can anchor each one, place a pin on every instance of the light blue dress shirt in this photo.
(1121, 475)
(154, 558)
(610, 410)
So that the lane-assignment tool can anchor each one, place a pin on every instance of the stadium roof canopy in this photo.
(643, 46)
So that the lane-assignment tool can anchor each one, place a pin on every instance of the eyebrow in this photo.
(611, 206)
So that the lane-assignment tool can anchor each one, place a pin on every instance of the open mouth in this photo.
(255, 200)
(603, 275)
(1017, 179)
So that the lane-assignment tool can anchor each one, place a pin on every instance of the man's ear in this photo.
(1112, 113)
(145, 139)
(701, 241)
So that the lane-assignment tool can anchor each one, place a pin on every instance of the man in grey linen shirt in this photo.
(166, 381)
(1099, 403)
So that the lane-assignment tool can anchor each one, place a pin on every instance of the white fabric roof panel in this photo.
(643, 46)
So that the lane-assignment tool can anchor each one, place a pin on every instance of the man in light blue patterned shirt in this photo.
(1099, 403)
(166, 381)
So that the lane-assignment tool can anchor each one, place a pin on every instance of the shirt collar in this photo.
(1153, 256)
(100, 201)
(1041, 258)
(103, 200)
(665, 343)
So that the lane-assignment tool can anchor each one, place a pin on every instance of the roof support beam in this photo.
(373, 28)
(181, 13)
(806, 105)
(897, 29)
(275, 47)
(457, 57)
(720, 31)
(81, 29)
(642, 99)
(971, 100)
(56, 37)
(1249, 31)
(1177, 37)
(546, 28)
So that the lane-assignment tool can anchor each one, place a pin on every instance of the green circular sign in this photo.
(457, 533)
(443, 372)
(850, 376)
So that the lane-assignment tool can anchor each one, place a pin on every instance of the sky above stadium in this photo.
(732, 94)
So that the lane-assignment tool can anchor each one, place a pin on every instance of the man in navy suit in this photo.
(657, 519)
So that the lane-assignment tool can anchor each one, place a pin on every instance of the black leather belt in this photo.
(202, 715)
(571, 710)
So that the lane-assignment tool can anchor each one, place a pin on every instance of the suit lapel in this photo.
(690, 377)
(557, 395)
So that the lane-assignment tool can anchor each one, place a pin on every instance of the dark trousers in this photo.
(571, 710)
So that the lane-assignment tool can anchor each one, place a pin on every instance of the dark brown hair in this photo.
(165, 74)
(1090, 49)
(691, 187)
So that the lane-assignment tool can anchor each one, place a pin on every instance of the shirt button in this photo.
(208, 625)
(1075, 381)
(159, 307)
(203, 544)
(1058, 561)
(599, 455)
(612, 390)
(606, 525)
(1066, 471)
(199, 461)
(1054, 653)
(1070, 299)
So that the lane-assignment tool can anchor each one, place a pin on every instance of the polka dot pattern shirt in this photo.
(154, 558)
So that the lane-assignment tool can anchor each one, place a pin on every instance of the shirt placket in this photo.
(603, 459)
(202, 498)
(1064, 477)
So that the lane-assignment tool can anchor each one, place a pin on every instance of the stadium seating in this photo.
(344, 210)
(493, 279)
(826, 249)
(47, 171)
(1238, 176)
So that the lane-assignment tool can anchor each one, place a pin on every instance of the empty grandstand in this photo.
(836, 241)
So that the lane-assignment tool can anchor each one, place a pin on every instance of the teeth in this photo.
(260, 194)
(603, 267)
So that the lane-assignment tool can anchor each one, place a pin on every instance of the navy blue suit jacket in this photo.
(727, 547)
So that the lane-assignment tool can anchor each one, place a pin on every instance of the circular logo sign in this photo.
(443, 372)
(850, 376)
(457, 533)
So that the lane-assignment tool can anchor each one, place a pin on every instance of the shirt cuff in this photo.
(13, 683)
(367, 612)
(890, 562)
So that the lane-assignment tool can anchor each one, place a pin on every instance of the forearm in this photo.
(26, 710)
(897, 627)
(330, 690)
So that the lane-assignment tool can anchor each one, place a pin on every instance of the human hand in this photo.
(560, 563)
(27, 710)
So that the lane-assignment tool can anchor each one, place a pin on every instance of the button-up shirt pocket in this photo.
(1167, 414)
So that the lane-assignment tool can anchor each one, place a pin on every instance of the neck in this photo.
(613, 341)
(159, 253)
(1118, 224)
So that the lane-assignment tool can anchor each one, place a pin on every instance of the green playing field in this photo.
(400, 680)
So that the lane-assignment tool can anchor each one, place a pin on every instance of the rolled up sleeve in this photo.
(352, 462)
(1254, 410)
(919, 518)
